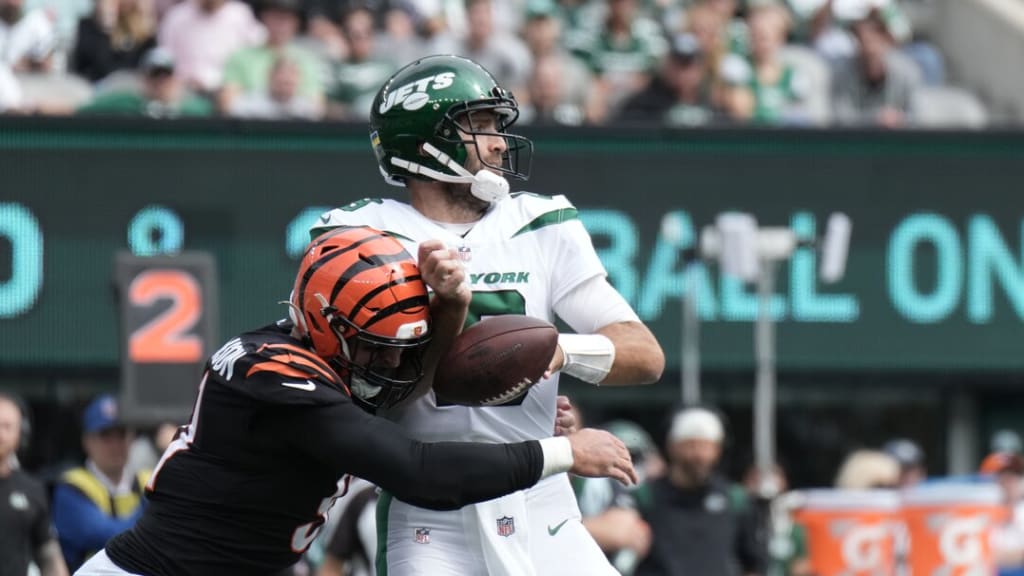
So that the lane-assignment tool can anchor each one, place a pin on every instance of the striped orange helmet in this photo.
(359, 299)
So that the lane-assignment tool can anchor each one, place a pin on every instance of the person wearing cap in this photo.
(94, 502)
(353, 82)
(701, 522)
(910, 458)
(1007, 470)
(161, 95)
(678, 96)
(875, 86)
(249, 70)
(1006, 440)
(609, 509)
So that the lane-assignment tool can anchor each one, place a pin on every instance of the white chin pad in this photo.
(489, 187)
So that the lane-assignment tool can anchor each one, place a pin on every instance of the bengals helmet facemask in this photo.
(360, 302)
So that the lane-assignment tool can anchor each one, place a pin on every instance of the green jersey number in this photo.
(494, 303)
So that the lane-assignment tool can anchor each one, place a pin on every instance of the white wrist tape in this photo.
(557, 455)
(588, 357)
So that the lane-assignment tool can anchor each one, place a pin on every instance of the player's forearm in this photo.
(447, 319)
(442, 476)
(450, 475)
(638, 356)
(50, 560)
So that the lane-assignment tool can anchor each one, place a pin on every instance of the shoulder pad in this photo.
(534, 211)
(270, 366)
(363, 212)
(292, 362)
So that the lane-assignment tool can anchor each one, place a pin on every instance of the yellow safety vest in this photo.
(120, 506)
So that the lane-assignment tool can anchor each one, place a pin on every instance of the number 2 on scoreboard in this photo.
(165, 338)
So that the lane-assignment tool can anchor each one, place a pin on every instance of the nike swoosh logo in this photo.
(553, 531)
(308, 386)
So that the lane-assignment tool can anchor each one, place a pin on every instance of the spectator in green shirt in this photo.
(161, 94)
(623, 54)
(248, 70)
(354, 81)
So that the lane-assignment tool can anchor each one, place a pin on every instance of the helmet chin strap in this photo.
(485, 185)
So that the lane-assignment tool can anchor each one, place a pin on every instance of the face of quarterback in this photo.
(490, 147)
(481, 150)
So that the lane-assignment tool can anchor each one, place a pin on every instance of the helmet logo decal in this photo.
(413, 96)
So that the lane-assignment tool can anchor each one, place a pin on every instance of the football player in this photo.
(439, 128)
(245, 486)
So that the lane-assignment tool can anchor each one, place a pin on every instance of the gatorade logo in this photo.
(413, 95)
(863, 547)
(960, 541)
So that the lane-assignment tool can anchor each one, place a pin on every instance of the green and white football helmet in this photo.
(422, 120)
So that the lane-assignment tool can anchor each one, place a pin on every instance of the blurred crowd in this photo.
(569, 62)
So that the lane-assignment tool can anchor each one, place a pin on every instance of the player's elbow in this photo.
(648, 362)
(654, 367)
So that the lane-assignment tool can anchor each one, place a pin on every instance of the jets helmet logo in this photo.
(413, 96)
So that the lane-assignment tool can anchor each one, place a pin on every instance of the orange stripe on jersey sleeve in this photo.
(304, 357)
(279, 368)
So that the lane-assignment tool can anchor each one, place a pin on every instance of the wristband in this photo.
(557, 455)
(588, 357)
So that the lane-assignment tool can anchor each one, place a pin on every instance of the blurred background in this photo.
(205, 136)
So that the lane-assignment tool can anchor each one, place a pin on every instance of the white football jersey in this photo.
(521, 257)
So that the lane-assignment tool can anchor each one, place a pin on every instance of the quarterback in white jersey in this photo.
(438, 128)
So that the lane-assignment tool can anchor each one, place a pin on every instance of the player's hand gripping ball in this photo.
(495, 360)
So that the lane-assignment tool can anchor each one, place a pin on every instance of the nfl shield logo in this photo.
(506, 526)
(465, 254)
(422, 536)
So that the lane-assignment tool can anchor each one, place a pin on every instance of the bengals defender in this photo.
(282, 414)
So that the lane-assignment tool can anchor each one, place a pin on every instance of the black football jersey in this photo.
(244, 487)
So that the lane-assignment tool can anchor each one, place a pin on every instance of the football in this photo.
(495, 360)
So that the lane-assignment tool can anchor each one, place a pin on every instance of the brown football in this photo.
(495, 360)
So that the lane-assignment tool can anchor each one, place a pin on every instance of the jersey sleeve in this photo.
(567, 243)
(358, 213)
(438, 476)
(275, 371)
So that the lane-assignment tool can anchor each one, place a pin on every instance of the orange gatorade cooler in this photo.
(950, 528)
(850, 532)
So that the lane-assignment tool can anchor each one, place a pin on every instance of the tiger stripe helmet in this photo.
(357, 288)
